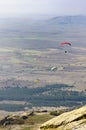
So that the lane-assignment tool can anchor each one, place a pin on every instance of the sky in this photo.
(50, 7)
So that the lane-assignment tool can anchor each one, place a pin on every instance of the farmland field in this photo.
(31, 58)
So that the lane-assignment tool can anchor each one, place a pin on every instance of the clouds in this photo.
(58, 7)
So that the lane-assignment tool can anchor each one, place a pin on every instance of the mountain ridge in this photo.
(76, 19)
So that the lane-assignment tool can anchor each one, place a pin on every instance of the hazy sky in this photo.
(58, 7)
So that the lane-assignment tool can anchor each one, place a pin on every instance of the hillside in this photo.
(24, 120)
(60, 119)
(73, 120)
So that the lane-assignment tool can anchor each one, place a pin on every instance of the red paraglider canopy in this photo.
(65, 43)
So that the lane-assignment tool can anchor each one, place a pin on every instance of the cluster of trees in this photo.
(50, 95)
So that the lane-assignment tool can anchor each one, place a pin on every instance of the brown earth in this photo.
(33, 68)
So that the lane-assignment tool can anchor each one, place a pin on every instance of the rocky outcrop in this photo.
(73, 120)
(15, 118)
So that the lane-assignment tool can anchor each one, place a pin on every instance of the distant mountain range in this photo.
(78, 19)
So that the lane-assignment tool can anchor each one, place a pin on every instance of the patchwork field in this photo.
(32, 60)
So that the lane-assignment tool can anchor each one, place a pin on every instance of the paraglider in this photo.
(53, 68)
(65, 43)
(65, 46)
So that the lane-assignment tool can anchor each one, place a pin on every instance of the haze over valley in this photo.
(31, 58)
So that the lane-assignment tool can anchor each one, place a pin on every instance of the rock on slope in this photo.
(73, 120)
(15, 118)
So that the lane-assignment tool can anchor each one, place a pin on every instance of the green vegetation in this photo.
(32, 122)
(38, 119)
(35, 121)
(57, 113)
(50, 95)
